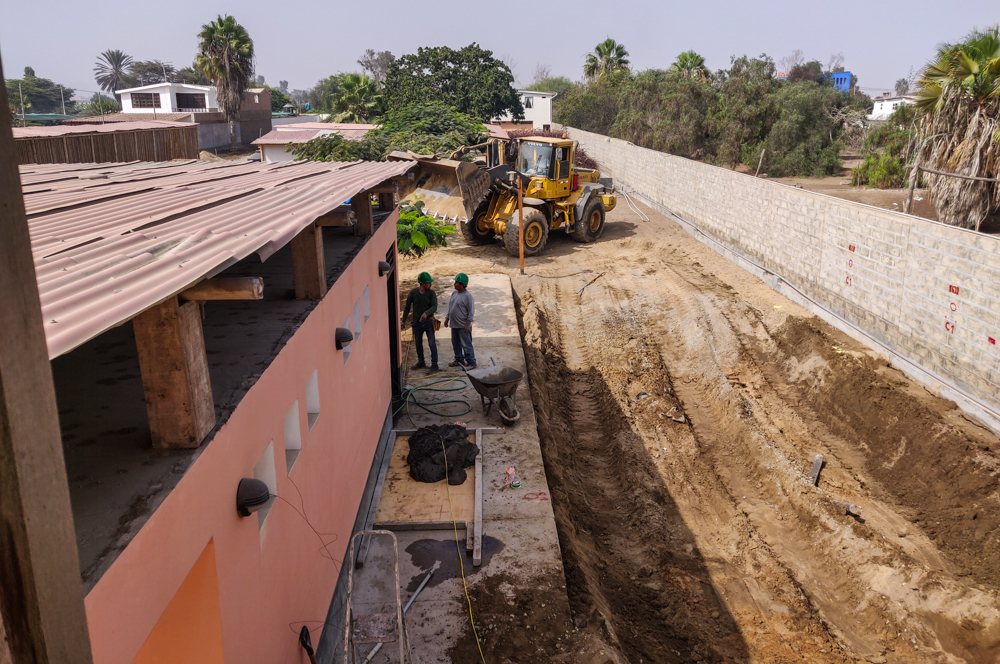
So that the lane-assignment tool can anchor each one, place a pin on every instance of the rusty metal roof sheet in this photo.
(303, 132)
(127, 236)
(109, 118)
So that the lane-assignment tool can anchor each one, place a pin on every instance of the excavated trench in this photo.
(680, 406)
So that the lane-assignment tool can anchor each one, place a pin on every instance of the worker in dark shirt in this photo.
(424, 301)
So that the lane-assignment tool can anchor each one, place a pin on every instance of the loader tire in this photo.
(536, 234)
(478, 230)
(590, 226)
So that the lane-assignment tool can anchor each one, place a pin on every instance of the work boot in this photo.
(433, 369)
(456, 363)
(418, 365)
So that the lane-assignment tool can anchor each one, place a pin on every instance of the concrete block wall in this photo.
(926, 292)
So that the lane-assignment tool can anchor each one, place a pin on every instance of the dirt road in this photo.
(680, 405)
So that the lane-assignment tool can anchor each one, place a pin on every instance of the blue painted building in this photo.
(842, 80)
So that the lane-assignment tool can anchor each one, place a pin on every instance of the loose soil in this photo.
(680, 405)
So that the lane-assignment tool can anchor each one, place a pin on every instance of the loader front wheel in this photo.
(590, 225)
(536, 233)
(478, 230)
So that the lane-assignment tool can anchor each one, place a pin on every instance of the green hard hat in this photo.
(462, 279)
(424, 278)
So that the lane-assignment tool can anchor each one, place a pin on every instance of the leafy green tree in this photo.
(959, 97)
(191, 76)
(226, 56)
(40, 94)
(668, 111)
(422, 128)
(691, 65)
(416, 232)
(470, 79)
(320, 97)
(558, 84)
(99, 105)
(887, 151)
(112, 71)
(607, 57)
(278, 99)
(746, 109)
(810, 71)
(592, 106)
(358, 100)
(376, 64)
(805, 138)
(149, 72)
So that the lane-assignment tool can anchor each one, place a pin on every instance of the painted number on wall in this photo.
(953, 290)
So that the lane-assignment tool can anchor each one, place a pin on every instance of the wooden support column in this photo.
(386, 202)
(174, 371)
(362, 206)
(309, 264)
(41, 597)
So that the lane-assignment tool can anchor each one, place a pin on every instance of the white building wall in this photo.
(168, 97)
(885, 107)
(540, 112)
(274, 154)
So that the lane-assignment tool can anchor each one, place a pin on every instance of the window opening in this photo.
(347, 348)
(312, 399)
(367, 305)
(145, 100)
(293, 436)
(357, 321)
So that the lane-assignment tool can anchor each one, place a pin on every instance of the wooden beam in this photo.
(174, 371)
(477, 543)
(229, 288)
(309, 264)
(338, 217)
(386, 202)
(362, 206)
(389, 187)
(41, 597)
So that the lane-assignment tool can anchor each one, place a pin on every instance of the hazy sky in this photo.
(304, 41)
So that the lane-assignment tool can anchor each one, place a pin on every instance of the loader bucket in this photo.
(451, 190)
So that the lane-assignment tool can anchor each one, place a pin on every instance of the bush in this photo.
(591, 106)
(416, 232)
(887, 152)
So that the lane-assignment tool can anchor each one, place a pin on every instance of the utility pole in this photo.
(63, 97)
(24, 123)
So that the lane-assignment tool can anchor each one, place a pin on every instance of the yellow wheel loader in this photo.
(483, 202)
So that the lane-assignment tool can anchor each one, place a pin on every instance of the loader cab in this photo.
(549, 164)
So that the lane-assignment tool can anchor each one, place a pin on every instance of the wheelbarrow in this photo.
(497, 385)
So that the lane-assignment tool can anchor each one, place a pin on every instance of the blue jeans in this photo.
(418, 340)
(461, 342)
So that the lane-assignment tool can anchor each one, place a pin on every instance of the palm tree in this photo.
(225, 55)
(358, 99)
(959, 94)
(691, 65)
(902, 86)
(111, 71)
(608, 56)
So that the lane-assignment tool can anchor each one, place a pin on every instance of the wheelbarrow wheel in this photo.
(508, 411)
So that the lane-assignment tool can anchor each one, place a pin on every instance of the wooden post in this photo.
(361, 204)
(386, 202)
(520, 221)
(174, 371)
(914, 176)
(760, 162)
(41, 597)
(309, 264)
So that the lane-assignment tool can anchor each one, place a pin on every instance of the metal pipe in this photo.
(378, 646)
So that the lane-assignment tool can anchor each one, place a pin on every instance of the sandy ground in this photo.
(680, 405)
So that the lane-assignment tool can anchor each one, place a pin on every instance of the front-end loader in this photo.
(483, 202)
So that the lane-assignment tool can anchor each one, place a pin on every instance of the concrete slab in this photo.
(521, 555)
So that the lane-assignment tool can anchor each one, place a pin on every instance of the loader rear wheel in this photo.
(478, 230)
(590, 225)
(536, 233)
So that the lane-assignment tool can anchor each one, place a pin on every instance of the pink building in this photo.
(177, 375)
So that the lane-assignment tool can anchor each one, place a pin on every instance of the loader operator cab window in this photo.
(535, 159)
(562, 159)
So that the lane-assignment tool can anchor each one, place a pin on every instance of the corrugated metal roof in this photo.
(106, 249)
(303, 132)
(62, 130)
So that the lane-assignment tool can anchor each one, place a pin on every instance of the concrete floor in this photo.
(520, 542)
(116, 479)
